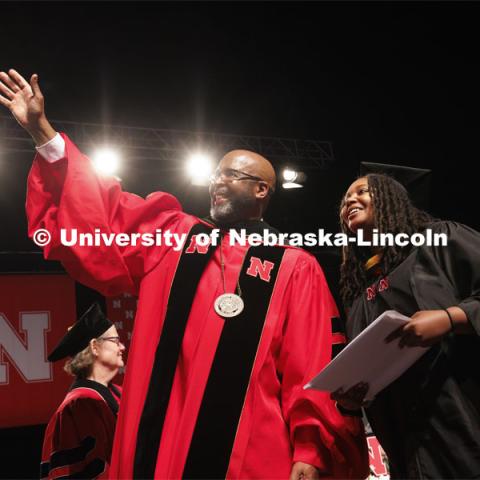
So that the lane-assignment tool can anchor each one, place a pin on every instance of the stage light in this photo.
(199, 168)
(289, 175)
(288, 185)
(106, 161)
(293, 178)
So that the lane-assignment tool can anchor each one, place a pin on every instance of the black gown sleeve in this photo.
(460, 261)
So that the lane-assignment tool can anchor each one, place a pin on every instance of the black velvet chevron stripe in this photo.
(72, 455)
(224, 396)
(338, 325)
(92, 470)
(68, 456)
(189, 271)
(44, 469)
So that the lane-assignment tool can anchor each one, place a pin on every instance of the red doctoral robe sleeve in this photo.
(70, 196)
(320, 434)
(79, 437)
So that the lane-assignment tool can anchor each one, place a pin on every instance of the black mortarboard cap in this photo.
(416, 181)
(90, 325)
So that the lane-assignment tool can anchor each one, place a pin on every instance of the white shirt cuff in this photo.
(53, 150)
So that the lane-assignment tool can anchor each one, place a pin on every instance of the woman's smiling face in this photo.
(357, 209)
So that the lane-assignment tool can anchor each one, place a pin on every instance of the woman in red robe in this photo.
(79, 437)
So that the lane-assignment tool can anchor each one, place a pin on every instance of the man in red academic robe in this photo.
(225, 336)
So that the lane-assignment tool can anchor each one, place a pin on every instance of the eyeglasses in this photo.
(115, 340)
(231, 175)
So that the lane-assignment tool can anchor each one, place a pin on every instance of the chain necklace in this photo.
(228, 304)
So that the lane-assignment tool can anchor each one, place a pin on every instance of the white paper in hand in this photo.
(369, 359)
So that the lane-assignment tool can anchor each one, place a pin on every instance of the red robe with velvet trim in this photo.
(280, 423)
(79, 437)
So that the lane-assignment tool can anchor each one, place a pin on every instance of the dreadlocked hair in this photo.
(393, 213)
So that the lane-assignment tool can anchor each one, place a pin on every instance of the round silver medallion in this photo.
(229, 305)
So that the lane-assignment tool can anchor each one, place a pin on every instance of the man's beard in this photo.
(233, 209)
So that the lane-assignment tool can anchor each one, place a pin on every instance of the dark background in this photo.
(385, 82)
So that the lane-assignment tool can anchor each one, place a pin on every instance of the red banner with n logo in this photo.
(35, 312)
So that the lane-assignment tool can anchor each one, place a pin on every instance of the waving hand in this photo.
(25, 101)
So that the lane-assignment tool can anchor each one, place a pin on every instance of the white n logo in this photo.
(27, 355)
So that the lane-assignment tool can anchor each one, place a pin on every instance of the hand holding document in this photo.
(369, 359)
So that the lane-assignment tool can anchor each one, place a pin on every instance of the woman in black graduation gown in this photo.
(428, 420)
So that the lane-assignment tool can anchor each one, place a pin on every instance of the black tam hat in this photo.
(90, 325)
(417, 181)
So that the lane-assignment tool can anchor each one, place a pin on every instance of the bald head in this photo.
(251, 163)
(241, 187)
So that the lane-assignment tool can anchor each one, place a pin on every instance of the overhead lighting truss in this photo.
(168, 145)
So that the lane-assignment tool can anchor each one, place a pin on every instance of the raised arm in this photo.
(65, 194)
(26, 102)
